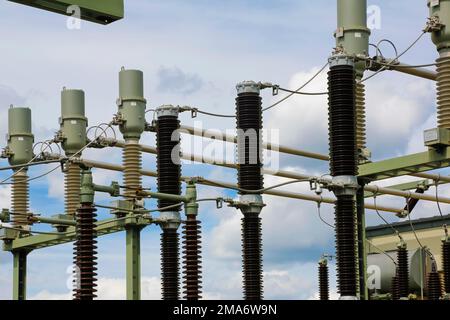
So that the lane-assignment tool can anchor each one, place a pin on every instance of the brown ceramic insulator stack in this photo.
(324, 286)
(72, 180)
(361, 115)
(192, 272)
(443, 92)
(446, 265)
(85, 253)
(434, 286)
(132, 163)
(403, 272)
(20, 199)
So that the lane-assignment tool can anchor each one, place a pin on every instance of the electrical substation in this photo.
(411, 256)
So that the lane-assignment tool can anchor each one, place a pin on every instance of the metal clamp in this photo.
(344, 185)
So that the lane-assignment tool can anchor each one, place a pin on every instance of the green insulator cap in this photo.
(131, 103)
(73, 121)
(20, 137)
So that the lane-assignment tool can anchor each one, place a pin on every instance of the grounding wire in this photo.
(396, 232)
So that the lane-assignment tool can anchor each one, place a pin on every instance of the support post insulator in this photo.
(132, 163)
(168, 159)
(343, 162)
(394, 288)
(20, 199)
(249, 156)
(446, 265)
(192, 259)
(403, 272)
(85, 280)
(361, 116)
(434, 286)
(324, 286)
(72, 188)
(249, 149)
(443, 91)
(169, 181)
(170, 264)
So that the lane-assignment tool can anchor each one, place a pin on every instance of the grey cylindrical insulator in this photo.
(20, 199)
(72, 188)
(443, 92)
(361, 115)
(132, 162)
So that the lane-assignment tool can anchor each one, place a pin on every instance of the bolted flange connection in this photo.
(344, 185)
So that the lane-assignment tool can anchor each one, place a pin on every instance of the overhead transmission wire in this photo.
(299, 89)
(394, 60)
(214, 183)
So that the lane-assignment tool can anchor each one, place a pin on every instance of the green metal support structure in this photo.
(103, 12)
(20, 274)
(133, 263)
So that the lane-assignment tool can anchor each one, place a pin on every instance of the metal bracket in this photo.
(5, 216)
(434, 24)
(6, 153)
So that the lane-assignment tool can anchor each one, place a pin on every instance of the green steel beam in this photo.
(133, 259)
(104, 227)
(103, 12)
(20, 274)
(414, 163)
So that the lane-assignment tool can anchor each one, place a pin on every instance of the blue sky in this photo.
(194, 53)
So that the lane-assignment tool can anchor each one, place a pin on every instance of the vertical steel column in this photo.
(131, 117)
(20, 274)
(169, 181)
(133, 256)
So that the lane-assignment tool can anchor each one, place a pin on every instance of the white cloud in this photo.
(110, 289)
